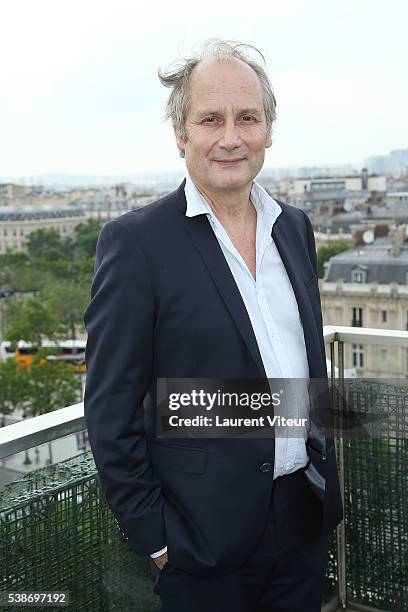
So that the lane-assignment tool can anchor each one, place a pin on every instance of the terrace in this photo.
(57, 533)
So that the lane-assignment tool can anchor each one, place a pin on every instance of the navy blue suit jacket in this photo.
(165, 304)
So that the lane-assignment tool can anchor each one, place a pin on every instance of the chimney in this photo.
(397, 234)
(364, 179)
(357, 233)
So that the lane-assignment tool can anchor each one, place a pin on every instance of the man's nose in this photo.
(231, 137)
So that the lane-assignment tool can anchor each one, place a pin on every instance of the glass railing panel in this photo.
(58, 534)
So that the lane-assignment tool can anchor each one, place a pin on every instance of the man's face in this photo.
(225, 125)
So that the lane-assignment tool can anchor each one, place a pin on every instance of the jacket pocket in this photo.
(319, 455)
(179, 459)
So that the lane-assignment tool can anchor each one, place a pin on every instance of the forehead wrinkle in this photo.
(213, 104)
(223, 88)
(221, 111)
(211, 91)
(211, 98)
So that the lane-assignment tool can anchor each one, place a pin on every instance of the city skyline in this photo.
(85, 98)
(370, 164)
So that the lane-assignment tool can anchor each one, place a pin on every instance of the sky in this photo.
(79, 92)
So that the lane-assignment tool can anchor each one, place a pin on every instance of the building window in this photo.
(328, 186)
(357, 353)
(384, 356)
(384, 316)
(357, 320)
(358, 276)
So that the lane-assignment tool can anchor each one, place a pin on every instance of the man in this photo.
(216, 280)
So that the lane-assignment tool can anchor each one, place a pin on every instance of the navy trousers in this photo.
(284, 573)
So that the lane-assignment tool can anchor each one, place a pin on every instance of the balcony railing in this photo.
(369, 560)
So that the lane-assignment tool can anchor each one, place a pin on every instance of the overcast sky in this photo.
(80, 93)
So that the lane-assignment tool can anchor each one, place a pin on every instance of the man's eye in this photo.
(248, 118)
(209, 120)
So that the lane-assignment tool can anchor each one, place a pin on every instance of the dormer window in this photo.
(358, 275)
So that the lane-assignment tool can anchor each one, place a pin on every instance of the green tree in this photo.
(51, 385)
(325, 252)
(86, 236)
(18, 274)
(74, 270)
(33, 320)
(9, 263)
(13, 388)
(47, 244)
(69, 301)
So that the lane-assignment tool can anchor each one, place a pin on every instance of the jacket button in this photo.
(265, 467)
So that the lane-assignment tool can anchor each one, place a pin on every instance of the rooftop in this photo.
(378, 251)
(28, 215)
(380, 261)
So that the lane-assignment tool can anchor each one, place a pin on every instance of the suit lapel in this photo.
(286, 240)
(211, 253)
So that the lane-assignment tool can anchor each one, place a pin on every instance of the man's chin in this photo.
(232, 183)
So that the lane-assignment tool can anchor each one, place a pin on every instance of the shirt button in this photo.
(265, 467)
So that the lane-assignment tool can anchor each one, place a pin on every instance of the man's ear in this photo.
(268, 142)
(179, 141)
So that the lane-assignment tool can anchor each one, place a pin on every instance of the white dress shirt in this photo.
(273, 312)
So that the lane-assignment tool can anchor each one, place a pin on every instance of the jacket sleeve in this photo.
(311, 243)
(322, 414)
(119, 353)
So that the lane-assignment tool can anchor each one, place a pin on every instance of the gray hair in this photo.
(178, 77)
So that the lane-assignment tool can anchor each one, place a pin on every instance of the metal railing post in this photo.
(341, 530)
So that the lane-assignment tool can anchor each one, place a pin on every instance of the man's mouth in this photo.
(229, 162)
